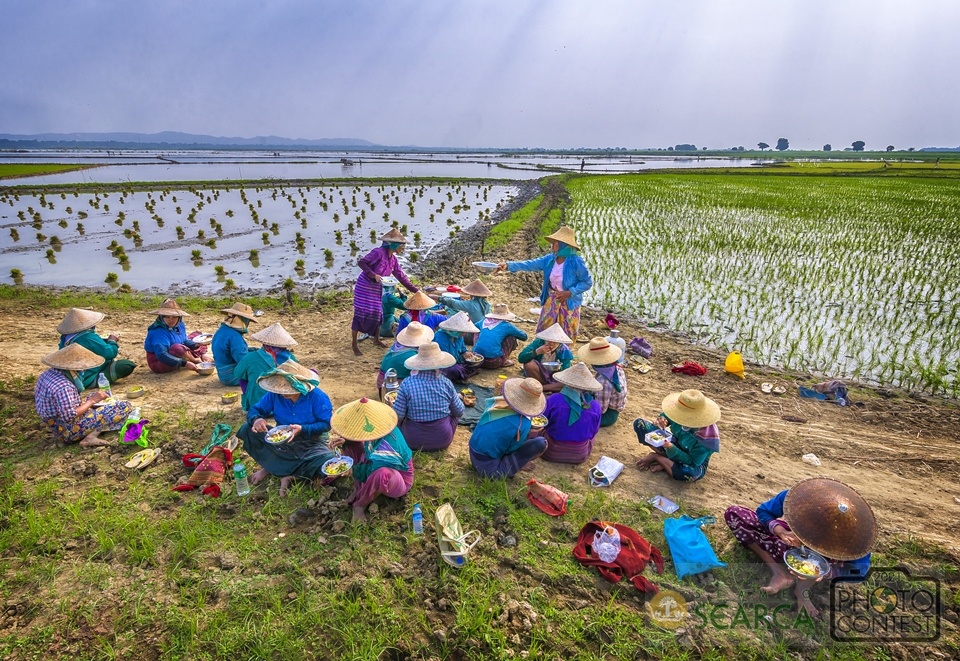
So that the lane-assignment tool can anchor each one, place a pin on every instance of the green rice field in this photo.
(851, 277)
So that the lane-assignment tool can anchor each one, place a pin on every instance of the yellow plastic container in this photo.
(734, 364)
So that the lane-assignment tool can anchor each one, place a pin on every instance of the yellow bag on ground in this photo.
(734, 364)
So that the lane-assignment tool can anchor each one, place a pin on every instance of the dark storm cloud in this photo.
(516, 73)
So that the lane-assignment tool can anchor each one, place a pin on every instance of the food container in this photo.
(658, 437)
(205, 369)
(135, 391)
(230, 398)
(278, 435)
(474, 359)
(498, 386)
(804, 563)
(389, 281)
(109, 401)
(538, 421)
(337, 466)
(551, 366)
(486, 267)
(390, 397)
(203, 338)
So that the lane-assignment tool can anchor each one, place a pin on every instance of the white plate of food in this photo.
(203, 338)
(337, 466)
(804, 563)
(279, 435)
(657, 438)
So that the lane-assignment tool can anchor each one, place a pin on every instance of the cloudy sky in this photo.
(474, 73)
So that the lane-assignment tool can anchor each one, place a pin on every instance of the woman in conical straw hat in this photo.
(228, 345)
(383, 462)
(292, 397)
(498, 338)
(450, 336)
(549, 346)
(691, 418)
(80, 327)
(565, 279)
(408, 340)
(368, 291)
(167, 345)
(604, 358)
(573, 416)
(501, 444)
(820, 513)
(277, 349)
(427, 404)
(418, 308)
(475, 304)
(58, 402)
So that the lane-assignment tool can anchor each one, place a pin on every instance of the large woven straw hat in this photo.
(169, 308)
(578, 377)
(238, 309)
(429, 357)
(565, 235)
(599, 352)
(415, 334)
(525, 396)
(275, 335)
(73, 357)
(502, 311)
(691, 408)
(277, 383)
(460, 322)
(419, 301)
(78, 319)
(477, 288)
(363, 420)
(554, 333)
(830, 518)
(394, 236)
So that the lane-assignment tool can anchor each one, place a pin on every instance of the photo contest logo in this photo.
(890, 605)
(668, 609)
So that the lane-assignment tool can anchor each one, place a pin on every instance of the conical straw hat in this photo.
(363, 420)
(477, 288)
(169, 308)
(525, 396)
(415, 334)
(419, 301)
(830, 518)
(275, 335)
(501, 311)
(599, 352)
(554, 333)
(394, 236)
(239, 309)
(691, 408)
(429, 357)
(277, 383)
(78, 320)
(73, 357)
(460, 322)
(565, 235)
(578, 377)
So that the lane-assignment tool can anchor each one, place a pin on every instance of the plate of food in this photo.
(804, 563)
(538, 421)
(205, 369)
(486, 267)
(279, 435)
(203, 338)
(658, 437)
(389, 281)
(473, 358)
(337, 466)
(390, 397)
(106, 402)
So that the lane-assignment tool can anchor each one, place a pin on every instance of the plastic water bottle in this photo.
(240, 478)
(417, 519)
(615, 339)
(103, 383)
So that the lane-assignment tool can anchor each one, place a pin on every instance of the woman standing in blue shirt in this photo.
(565, 279)
(228, 345)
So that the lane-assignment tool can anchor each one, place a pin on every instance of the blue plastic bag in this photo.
(690, 548)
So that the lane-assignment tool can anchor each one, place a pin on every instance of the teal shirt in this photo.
(477, 308)
(391, 451)
(89, 339)
(250, 368)
(687, 449)
(395, 359)
(391, 303)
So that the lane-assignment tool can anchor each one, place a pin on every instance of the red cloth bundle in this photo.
(635, 553)
(208, 473)
(547, 499)
(691, 368)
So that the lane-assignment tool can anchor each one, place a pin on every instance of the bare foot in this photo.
(804, 604)
(359, 515)
(781, 580)
(356, 351)
(380, 344)
(655, 467)
(352, 497)
(529, 466)
(258, 477)
(509, 363)
(285, 484)
(93, 441)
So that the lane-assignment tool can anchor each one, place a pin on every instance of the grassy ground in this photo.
(14, 170)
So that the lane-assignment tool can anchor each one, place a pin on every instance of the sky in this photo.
(511, 73)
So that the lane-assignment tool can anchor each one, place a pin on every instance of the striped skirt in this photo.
(564, 452)
(555, 311)
(367, 305)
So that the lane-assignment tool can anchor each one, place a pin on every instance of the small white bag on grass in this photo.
(605, 472)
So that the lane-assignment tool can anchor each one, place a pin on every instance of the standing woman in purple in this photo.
(368, 292)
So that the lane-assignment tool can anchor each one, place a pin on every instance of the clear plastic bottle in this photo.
(615, 339)
(240, 479)
(417, 519)
(103, 384)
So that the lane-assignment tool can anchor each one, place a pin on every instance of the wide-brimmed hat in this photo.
(565, 235)
(394, 236)
(459, 323)
(477, 288)
(415, 334)
(691, 408)
(78, 319)
(599, 352)
(501, 311)
(830, 518)
(169, 308)
(525, 396)
(280, 384)
(554, 333)
(275, 335)
(419, 301)
(73, 357)
(578, 377)
(363, 420)
(238, 309)
(429, 357)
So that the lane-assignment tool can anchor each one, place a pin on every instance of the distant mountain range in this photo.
(171, 140)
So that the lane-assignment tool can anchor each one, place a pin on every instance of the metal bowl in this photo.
(551, 366)
(204, 339)
(135, 391)
(205, 369)
(278, 435)
(230, 398)
(538, 421)
(805, 558)
(486, 267)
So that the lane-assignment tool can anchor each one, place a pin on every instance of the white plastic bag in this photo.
(605, 472)
(606, 544)
(811, 459)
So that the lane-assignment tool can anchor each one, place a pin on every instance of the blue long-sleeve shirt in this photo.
(490, 339)
(161, 337)
(229, 348)
(576, 277)
(311, 411)
(476, 308)
(455, 346)
(498, 438)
